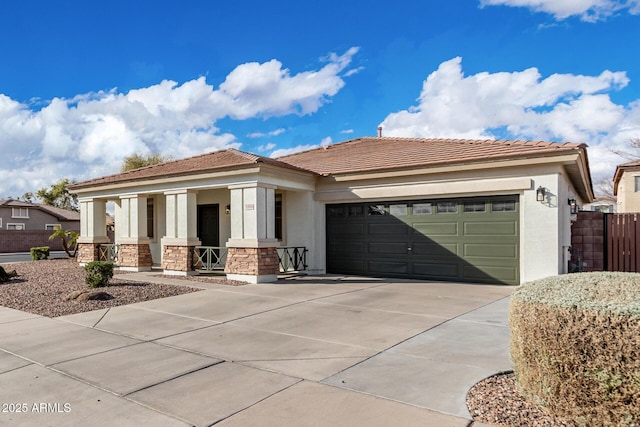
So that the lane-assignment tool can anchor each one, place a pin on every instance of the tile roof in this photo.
(380, 153)
(357, 155)
(209, 162)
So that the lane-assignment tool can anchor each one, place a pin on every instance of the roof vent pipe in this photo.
(379, 131)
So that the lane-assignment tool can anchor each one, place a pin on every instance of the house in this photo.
(626, 186)
(26, 225)
(443, 209)
(18, 215)
(601, 204)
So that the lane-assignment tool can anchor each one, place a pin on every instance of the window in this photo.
(278, 216)
(0, 222)
(446, 207)
(421, 208)
(19, 212)
(399, 210)
(474, 207)
(356, 210)
(52, 227)
(15, 226)
(504, 206)
(150, 218)
(375, 210)
(636, 181)
(335, 211)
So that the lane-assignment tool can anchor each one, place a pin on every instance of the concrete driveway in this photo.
(307, 351)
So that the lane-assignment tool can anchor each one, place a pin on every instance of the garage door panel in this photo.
(490, 228)
(490, 250)
(347, 228)
(440, 270)
(391, 248)
(347, 247)
(349, 265)
(386, 229)
(436, 228)
(431, 249)
(389, 267)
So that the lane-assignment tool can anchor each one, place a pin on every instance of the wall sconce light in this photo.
(227, 209)
(573, 205)
(540, 194)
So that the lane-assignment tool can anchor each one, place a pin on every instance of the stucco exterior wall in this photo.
(628, 199)
(304, 226)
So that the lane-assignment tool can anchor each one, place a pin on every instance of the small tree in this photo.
(57, 195)
(136, 161)
(69, 240)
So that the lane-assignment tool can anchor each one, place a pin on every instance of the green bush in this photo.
(575, 346)
(41, 252)
(98, 273)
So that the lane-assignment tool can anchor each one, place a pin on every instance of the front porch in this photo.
(241, 230)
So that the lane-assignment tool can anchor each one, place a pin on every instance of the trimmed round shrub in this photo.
(575, 346)
(98, 273)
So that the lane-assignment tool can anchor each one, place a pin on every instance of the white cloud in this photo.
(267, 147)
(276, 132)
(522, 105)
(90, 134)
(347, 131)
(587, 10)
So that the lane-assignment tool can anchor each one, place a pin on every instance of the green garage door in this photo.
(466, 239)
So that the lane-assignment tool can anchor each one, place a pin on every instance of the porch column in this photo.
(252, 255)
(134, 252)
(181, 232)
(93, 229)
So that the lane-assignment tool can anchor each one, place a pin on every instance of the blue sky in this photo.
(84, 84)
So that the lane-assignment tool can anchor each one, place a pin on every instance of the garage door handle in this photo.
(409, 249)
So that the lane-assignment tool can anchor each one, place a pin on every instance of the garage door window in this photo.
(335, 211)
(504, 206)
(376, 210)
(399, 210)
(446, 207)
(356, 210)
(474, 206)
(422, 208)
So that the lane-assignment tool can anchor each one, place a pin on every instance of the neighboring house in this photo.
(435, 209)
(626, 186)
(18, 215)
(602, 204)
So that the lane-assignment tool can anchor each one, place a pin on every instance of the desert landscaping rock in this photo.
(41, 287)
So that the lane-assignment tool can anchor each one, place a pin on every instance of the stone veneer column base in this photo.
(253, 265)
(87, 252)
(135, 257)
(178, 260)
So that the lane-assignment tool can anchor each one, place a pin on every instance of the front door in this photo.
(209, 225)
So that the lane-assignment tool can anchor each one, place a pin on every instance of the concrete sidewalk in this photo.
(307, 351)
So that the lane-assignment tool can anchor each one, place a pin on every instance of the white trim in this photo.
(16, 225)
(19, 215)
(0, 222)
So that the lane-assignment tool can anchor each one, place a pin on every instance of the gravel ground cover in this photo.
(498, 402)
(41, 286)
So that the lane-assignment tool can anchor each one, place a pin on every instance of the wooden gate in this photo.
(622, 233)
